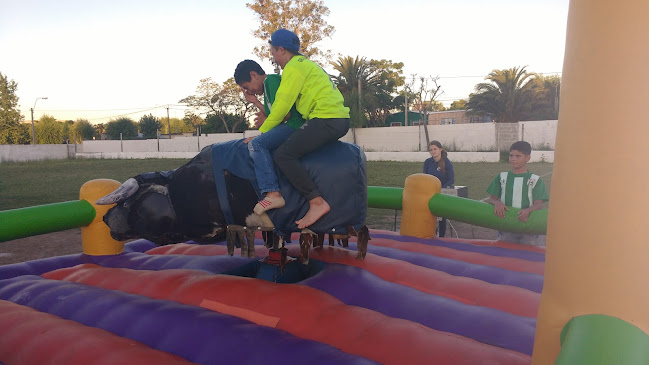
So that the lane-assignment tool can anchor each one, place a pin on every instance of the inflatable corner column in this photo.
(597, 246)
(95, 237)
(416, 218)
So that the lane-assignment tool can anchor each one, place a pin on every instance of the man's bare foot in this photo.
(317, 208)
(273, 200)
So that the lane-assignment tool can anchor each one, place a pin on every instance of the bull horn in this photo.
(128, 188)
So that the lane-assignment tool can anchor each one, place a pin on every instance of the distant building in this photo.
(435, 118)
(455, 117)
(399, 119)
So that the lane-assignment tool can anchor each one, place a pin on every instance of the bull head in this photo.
(141, 212)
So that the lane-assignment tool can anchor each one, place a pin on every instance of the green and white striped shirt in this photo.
(518, 190)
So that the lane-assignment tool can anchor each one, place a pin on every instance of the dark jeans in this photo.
(312, 135)
(441, 226)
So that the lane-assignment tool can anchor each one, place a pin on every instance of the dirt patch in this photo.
(69, 241)
(41, 246)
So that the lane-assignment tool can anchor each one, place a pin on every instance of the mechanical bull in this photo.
(212, 197)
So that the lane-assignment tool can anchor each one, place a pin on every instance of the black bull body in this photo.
(212, 197)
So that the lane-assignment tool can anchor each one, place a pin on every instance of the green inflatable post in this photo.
(482, 214)
(599, 339)
(384, 197)
(462, 210)
(32, 221)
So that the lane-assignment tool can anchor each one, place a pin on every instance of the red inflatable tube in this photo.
(300, 310)
(198, 250)
(507, 298)
(28, 336)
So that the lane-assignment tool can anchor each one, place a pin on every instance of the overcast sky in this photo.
(101, 59)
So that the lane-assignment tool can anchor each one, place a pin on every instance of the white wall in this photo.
(422, 156)
(395, 139)
(467, 137)
(405, 141)
(463, 137)
(178, 144)
(39, 152)
(542, 132)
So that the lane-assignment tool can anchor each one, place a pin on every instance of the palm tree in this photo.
(548, 106)
(367, 87)
(350, 72)
(510, 96)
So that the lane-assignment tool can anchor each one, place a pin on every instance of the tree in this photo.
(124, 125)
(425, 91)
(458, 105)
(84, 130)
(390, 78)
(11, 131)
(306, 18)
(48, 130)
(149, 126)
(547, 106)
(509, 97)
(100, 129)
(219, 100)
(368, 87)
(214, 123)
(177, 126)
(193, 120)
(353, 81)
(67, 131)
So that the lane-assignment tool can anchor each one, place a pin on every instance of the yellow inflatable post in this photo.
(95, 237)
(598, 244)
(416, 218)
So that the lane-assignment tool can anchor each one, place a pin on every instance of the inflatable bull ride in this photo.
(212, 197)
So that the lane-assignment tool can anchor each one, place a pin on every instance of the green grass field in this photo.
(35, 183)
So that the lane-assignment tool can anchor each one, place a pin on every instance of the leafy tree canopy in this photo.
(84, 130)
(177, 126)
(547, 107)
(48, 130)
(458, 105)
(368, 87)
(235, 123)
(11, 131)
(220, 100)
(123, 125)
(149, 126)
(306, 18)
(511, 95)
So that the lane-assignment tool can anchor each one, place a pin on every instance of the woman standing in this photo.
(441, 167)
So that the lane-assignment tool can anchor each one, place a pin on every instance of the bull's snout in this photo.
(117, 220)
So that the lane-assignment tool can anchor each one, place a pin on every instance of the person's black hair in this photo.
(242, 72)
(521, 146)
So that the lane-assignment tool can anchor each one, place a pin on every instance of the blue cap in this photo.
(286, 39)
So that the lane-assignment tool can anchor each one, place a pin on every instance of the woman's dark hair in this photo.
(242, 72)
(442, 161)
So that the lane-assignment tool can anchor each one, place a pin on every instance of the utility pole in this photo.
(168, 123)
(33, 133)
(360, 106)
(406, 111)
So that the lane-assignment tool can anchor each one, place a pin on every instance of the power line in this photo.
(136, 111)
(475, 76)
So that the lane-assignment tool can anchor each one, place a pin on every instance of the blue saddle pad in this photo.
(337, 169)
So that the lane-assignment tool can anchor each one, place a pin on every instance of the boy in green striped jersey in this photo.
(517, 188)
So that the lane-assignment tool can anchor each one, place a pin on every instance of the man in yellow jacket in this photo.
(320, 103)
